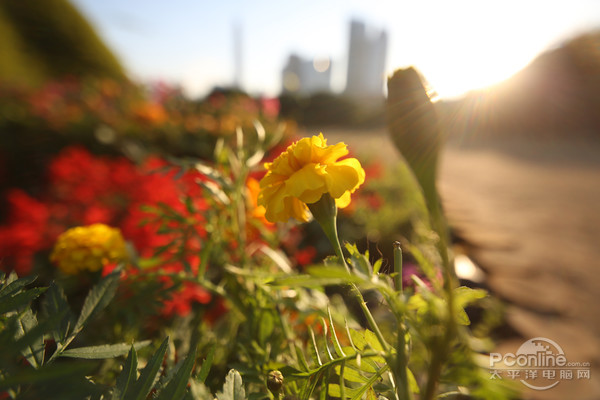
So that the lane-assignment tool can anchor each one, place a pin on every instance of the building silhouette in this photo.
(305, 77)
(366, 62)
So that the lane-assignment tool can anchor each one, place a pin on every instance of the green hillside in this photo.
(49, 39)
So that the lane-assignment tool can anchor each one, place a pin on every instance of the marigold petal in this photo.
(342, 202)
(345, 175)
(307, 184)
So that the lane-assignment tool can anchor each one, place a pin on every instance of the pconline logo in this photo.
(539, 364)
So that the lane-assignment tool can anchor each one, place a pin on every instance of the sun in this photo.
(469, 45)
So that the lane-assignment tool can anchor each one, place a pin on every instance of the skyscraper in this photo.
(305, 77)
(366, 62)
(237, 56)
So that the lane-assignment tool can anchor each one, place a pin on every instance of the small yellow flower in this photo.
(303, 173)
(88, 248)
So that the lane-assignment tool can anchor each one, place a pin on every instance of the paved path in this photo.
(530, 213)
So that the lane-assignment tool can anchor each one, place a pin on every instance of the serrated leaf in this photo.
(372, 340)
(350, 374)
(34, 351)
(233, 388)
(199, 391)
(50, 372)
(358, 393)
(14, 284)
(145, 382)
(127, 376)
(359, 261)
(466, 295)
(301, 358)
(103, 351)
(28, 341)
(205, 369)
(98, 298)
(325, 329)
(10, 303)
(334, 390)
(176, 387)
(314, 349)
(358, 339)
(334, 339)
(55, 302)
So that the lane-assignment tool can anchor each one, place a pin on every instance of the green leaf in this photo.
(148, 375)
(14, 284)
(34, 351)
(19, 300)
(466, 295)
(98, 298)
(413, 386)
(358, 339)
(372, 340)
(127, 376)
(176, 387)
(31, 341)
(351, 374)
(359, 261)
(301, 358)
(314, 349)
(55, 302)
(265, 327)
(103, 351)
(334, 390)
(48, 373)
(233, 388)
(205, 369)
(334, 339)
(377, 266)
(358, 393)
(198, 391)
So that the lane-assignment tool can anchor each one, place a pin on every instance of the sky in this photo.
(457, 45)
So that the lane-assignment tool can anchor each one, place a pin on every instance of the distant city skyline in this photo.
(365, 67)
(457, 45)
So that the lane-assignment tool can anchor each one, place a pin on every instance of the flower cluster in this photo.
(88, 248)
(72, 106)
(84, 189)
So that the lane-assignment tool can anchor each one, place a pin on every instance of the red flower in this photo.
(305, 256)
(181, 301)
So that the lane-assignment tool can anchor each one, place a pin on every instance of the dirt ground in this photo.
(530, 213)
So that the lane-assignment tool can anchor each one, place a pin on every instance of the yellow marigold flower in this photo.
(308, 169)
(256, 211)
(88, 248)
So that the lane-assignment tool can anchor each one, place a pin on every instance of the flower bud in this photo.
(275, 381)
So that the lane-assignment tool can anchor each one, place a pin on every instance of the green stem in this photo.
(401, 362)
(442, 346)
(398, 267)
(325, 212)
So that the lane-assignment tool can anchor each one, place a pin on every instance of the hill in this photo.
(50, 39)
(558, 93)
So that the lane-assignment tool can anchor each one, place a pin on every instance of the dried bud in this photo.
(275, 381)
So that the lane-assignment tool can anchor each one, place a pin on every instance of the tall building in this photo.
(306, 77)
(366, 61)
(237, 56)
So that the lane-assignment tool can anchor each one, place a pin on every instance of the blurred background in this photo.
(516, 88)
